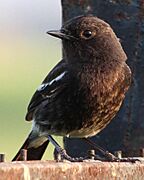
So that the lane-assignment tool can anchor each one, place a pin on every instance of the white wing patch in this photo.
(43, 86)
(57, 78)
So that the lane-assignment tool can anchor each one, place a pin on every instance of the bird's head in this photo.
(89, 39)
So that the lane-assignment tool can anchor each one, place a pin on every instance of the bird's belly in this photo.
(84, 132)
(97, 122)
(90, 130)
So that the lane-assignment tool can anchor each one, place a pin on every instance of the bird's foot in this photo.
(65, 156)
(60, 153)
(112, 158)
(131, 160)
(109, 156)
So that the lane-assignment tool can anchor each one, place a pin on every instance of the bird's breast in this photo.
(102, 95)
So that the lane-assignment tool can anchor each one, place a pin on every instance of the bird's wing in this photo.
(52, 85)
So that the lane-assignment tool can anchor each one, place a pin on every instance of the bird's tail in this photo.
(33, 153)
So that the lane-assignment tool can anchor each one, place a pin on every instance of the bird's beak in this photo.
(60, 34)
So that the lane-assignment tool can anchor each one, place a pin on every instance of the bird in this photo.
(84, 91)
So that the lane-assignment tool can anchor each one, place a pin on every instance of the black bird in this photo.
(84, 91)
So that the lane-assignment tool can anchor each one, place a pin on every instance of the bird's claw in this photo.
(131, 160)
(112, 158)
(65, 156)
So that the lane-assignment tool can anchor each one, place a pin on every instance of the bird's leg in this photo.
(109, 155)
(62, 151)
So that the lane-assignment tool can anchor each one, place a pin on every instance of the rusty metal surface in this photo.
(126, 131)
(49, 170)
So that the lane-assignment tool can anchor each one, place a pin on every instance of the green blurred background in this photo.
(26, 56)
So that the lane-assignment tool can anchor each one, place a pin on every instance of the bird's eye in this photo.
(87, 34)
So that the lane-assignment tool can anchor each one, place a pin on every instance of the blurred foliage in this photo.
(23, 65)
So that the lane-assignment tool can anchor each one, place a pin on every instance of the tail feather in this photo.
(32, 153)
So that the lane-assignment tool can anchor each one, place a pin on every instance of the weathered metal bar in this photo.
(91, 154)
(142, 152)
(118, 154)
(126, 17)
(2, 157)
(23, 155)
(49, 170)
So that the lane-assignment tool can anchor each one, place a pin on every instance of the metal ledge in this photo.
(51, 170)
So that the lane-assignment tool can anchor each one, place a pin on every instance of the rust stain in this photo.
(122, 16)
(141, 7)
